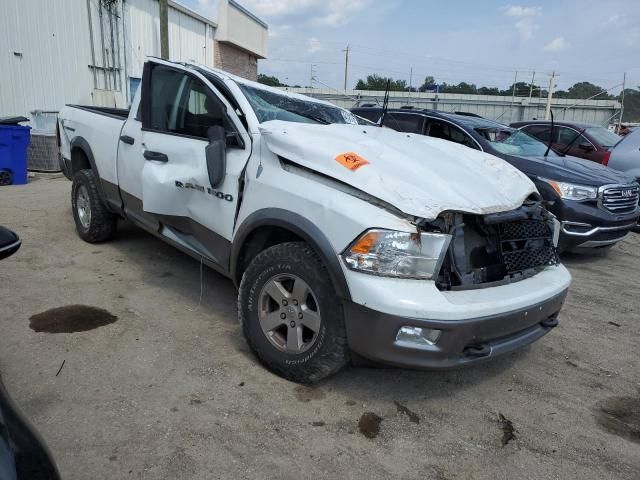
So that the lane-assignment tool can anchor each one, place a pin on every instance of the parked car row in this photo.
(596, 204)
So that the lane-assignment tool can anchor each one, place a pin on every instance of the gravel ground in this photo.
(169, 389)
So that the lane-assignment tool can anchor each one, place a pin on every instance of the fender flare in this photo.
(82, 144)
(302, 227)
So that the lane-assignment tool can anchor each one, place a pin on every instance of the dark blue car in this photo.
(596, 206)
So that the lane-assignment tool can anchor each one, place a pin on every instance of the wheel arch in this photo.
(81, 156)
(271, 226)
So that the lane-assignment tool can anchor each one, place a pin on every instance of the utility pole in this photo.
(410, 78)
(312, 76)
(346, 67)
(513, 94)
(531, 85)
(552, 83)
(624, 82)
(164, 29)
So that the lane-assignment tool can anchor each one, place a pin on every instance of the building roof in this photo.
(192, 13)
(248, 13)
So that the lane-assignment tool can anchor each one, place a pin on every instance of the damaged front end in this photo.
(495, 249)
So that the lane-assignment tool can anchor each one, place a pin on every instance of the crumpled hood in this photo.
(418, 175)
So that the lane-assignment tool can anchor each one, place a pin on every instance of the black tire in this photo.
(102, 224)
(329, 352)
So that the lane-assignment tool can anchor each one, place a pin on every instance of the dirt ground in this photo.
(169, 389)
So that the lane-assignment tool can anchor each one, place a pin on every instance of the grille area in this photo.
(498, 248)
(620, 199)
(526, 244)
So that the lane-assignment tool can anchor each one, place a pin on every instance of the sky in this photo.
(484, 42)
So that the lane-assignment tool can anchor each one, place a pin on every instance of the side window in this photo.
(446, 131)
(404, 122)
(165, 90)
(541, 132)
(199, 110)
(182, 104)
(567, 136)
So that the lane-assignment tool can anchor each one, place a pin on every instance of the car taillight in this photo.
(605, 158)
(58, 142)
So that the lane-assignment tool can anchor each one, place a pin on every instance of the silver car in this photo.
(625, 156)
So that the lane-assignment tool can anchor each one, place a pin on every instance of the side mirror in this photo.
(216, 154)
(9, 243)
(587, 147)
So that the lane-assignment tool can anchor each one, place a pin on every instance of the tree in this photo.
(489, 91)
(522, 89)
(462, 87)
(631, 105)
(428, 85)
(587, 90)
(270, 80)
(376, 82)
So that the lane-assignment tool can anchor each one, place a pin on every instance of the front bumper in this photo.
(372, 334)
(585, 225)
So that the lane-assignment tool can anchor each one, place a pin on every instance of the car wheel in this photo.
(291, 315)
(94, 222)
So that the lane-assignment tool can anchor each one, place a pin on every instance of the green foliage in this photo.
(270, 80)
(376, 82)
(631, 105)
(428, 85)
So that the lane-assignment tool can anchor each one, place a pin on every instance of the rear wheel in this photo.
(94, 223)
(291, 315)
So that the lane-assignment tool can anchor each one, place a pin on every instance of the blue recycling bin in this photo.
(14, 140)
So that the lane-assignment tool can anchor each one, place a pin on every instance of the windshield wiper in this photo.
(314, 118)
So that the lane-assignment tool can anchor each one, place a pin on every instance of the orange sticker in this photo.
(351, 160)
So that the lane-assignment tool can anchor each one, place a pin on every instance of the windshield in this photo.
(269, 105)
(514, 142)
(603, 136)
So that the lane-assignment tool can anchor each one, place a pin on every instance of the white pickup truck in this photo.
(345, 240)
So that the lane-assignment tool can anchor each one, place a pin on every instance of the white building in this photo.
(54, 52)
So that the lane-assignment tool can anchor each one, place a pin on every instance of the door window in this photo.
(568, 136)
(541, 132)
(404, 122)
(183, 105)
(446, 131)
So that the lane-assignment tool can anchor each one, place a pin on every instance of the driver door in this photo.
(179, 106)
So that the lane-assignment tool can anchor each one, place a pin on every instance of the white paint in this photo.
(421, 299)
(420, 176)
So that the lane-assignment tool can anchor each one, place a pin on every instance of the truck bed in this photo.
(120, 113)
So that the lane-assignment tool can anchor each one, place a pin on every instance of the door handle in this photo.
(127, 139)
(156, 156)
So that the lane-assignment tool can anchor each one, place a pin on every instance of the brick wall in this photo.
(235, 60)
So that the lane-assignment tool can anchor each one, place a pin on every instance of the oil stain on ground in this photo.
(413, 417)
(369, 424)
(306, 394)
(71, 318)
(508, 430)
(621, 416)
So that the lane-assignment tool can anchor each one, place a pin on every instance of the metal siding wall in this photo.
(186, 36)
(494, 107)
(53, 38)
(143, 33)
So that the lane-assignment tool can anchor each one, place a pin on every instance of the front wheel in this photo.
(94, 222)
(291, 315)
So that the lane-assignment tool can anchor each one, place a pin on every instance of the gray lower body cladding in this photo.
(372, 334)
